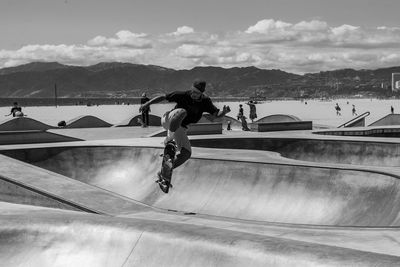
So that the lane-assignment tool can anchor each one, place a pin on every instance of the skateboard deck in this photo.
(165, 174)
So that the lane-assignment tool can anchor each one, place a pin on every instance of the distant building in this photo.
(395, 82)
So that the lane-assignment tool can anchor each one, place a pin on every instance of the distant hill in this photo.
(34, 67)
(115, 79)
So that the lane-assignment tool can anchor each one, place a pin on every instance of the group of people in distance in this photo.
(338, 109)
(353, 110)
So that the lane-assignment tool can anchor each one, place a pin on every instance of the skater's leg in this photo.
(171, 121)
(165, 123)
(182, 157)
(176, 117)
(183, 144)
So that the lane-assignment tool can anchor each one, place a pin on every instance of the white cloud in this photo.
(344, 29)
(267, 26)
(183, 30)
(124, 38)
(305, 46)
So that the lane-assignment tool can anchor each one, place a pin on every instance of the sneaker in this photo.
(164, 187)
(163, 184)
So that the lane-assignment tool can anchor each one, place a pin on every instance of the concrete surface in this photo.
(276, 199)
(370, 131)
(235, 124)
(390, 119)
(353, 151)
(23, 124)
(281, 126)
(255, 191)
(136, 121)
(49, 237)
(33, 136)
(210, 128)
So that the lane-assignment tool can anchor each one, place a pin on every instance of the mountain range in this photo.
(115, 79)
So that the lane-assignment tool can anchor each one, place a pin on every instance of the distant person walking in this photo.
(253, 112)
(392, 109)
(354, 111)
(228, 126)
(16, 111)
(338, 109)
(240, 113)
(145, 111)
(244, 123)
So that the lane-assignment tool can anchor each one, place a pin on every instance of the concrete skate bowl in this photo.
(87, 121)
(266, 192)
(368, 153)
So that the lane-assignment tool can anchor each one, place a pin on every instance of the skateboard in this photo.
(165, 174)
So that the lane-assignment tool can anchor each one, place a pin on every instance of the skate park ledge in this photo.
(280, 126)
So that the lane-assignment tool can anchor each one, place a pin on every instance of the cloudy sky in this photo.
(297, 36)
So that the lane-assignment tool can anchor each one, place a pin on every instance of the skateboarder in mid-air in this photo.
(189, 108)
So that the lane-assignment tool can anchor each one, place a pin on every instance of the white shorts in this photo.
(180, 134)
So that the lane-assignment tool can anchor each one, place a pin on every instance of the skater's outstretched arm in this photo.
(154, 100)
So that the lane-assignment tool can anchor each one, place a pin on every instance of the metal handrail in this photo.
(365, 114)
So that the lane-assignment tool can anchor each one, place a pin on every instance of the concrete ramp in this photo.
(358, 121)
(390, 119)
(278, 118)
(23, 124)
(87, 122)
(195, 129)
(136, 121)
(268, 192)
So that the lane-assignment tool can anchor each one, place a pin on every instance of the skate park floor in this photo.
(244, 198)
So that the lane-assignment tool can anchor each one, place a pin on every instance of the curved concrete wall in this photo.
(47, 237)
(327, 151)
(282, 193)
